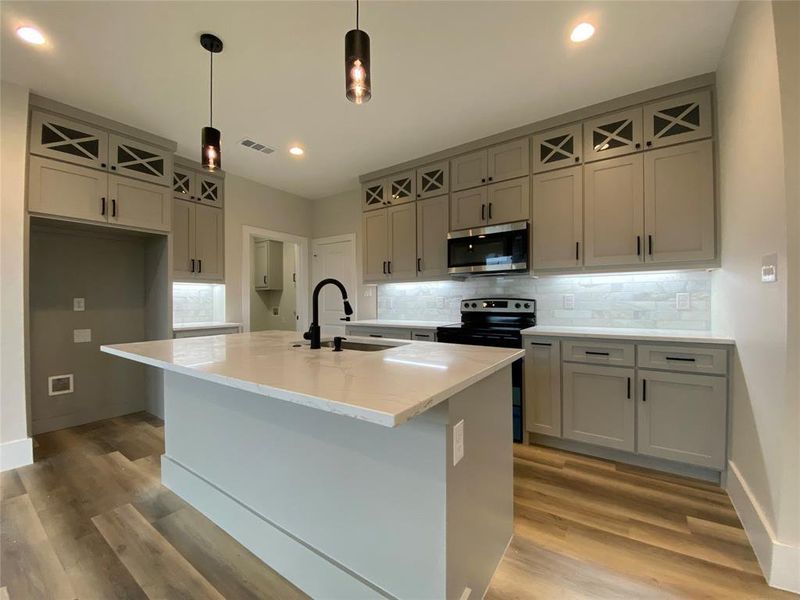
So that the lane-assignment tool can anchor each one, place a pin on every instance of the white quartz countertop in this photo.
(400, 324)
(196, 326)
(387, 387)
(618, 333)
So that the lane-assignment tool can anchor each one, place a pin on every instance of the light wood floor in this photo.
(90, 520)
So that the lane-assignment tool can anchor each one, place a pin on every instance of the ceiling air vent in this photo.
(257, 146)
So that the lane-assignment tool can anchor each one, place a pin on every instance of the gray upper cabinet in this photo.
(682, 417)
(509, 160)
(375, 245)
(614, 211)
(402, 235)
(139, 160)
(468, 171)
(557, 148)
(599, 407)
(543, 386)
(679, 203)
(612, 135)
(557, 219)
(433, 223)
(468, 208)
(66, 190)
(183, 183)
(209, 189)
(268, 265)
(71, 141)
(508, 201)
(401, 188)
(679, 119)
(139, 204)
(210, 244)
(433, 179)
(373, 195)
(183, 214)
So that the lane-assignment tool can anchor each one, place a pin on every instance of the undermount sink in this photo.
(360, 346)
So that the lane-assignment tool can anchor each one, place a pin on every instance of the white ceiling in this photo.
(443, 73)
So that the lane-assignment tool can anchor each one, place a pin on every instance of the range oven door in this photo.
(488, 250)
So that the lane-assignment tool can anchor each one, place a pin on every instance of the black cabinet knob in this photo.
(577, 159)
(490, 178)
(638, 145)
(649, 143)
(483, 180)
(103, 165)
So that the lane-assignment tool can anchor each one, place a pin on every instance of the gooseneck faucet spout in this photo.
(313, 333)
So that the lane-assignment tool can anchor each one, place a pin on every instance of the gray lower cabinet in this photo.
(542, 379)
(682, 417)
(598, 405)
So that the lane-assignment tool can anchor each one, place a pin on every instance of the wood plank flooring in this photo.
(90, 519)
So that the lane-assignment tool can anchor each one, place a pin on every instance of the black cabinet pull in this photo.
(593, 353)
(419, 265)
(629, 388)
(113, 167)
(483, 212)
(540, 344)
(199, 265)
(113, 207)
(650, 245)
(577, 250)
(644, 390)
(384, 267)
(389, 267)
(103, 206)
(638, 245)
(375, 335)
(192, 265)
(680, 358)
(490, 210)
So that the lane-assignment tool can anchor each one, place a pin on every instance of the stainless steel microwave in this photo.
(488, 250)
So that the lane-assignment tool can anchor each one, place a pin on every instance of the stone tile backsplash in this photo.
(197, 303)
(645, 300)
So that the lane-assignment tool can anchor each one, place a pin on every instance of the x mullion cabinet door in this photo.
(209, 189)
(373, 195)
(139, 160)
(557, 219)
(183, 183)
(401, 188)
(71, 141)
(557, 148)
(433, 180)
(612, 135)
(676, 120)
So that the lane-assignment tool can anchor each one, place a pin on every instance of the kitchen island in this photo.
(341, 470)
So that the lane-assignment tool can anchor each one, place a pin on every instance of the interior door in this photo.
(433, 222)
(614, 211)
(679, 203)
(335, 258)
(182, 239)
(139, 204)
(558, 218)
(508, 201)
(57, 188)
(468, 208)
(402, 223)
(375, 245)
(209, 243)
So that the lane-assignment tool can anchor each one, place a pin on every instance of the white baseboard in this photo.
(16, 454)
(778, 561)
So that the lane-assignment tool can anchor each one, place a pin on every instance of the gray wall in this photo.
(109, 272)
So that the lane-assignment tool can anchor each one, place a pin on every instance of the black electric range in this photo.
(495, 322)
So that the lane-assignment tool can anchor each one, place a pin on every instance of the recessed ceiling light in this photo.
(296, 151)
(31, 35)
(582, 32)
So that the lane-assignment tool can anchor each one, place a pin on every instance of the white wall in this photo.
(251, 203)
(338, 215)
(15, 446)
(755, 211)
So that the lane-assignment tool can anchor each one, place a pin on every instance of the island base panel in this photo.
(344, 508)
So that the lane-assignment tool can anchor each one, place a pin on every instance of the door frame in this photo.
(249, 232)
(332, 239)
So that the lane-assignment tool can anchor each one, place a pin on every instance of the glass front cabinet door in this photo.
(615, 134)
(557, 148)
(680, 119)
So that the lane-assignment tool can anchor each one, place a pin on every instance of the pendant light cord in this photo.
(211, 94)
(356, 14)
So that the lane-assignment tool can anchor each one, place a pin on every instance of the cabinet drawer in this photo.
(423, 335)
(397, 333)
(599, 352)
(689, 359)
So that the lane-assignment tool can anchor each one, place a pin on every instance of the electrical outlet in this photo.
(458, 442)
(81, 336)
(682, 301)
(274, 311)
(569, 301)
(769, 268)
(59, 384)
(78, 304)
(368, 291)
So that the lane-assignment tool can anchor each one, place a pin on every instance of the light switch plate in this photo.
(78, 304)
(81, 336)
(368, 291)
(458, 442)
(769, 268)
(60, 384)
(682, 301)
(569, 301)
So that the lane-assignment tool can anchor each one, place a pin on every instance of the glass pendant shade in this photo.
(356, 65)
(211, 149)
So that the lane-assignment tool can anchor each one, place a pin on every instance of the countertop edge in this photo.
(398, 324)
(201, 326)
(633, 336)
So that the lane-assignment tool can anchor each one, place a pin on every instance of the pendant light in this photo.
(211, 138)
(356, 64)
